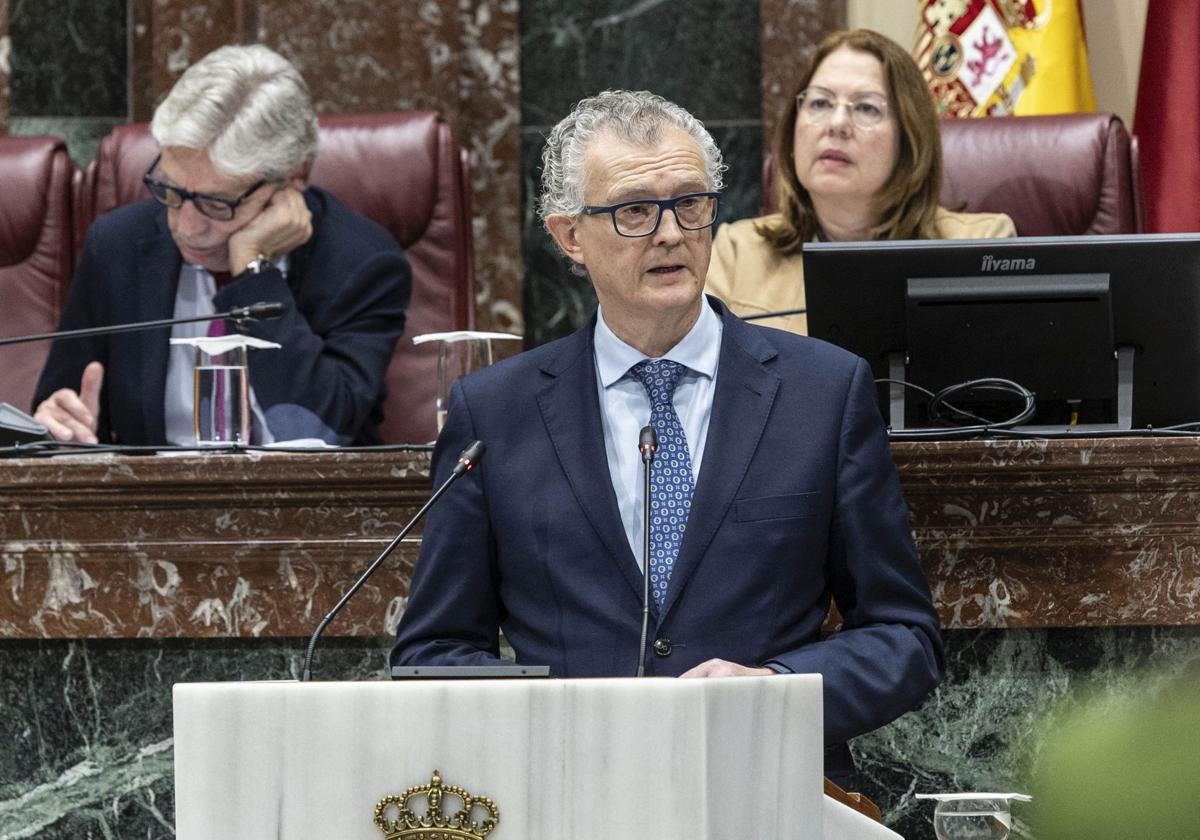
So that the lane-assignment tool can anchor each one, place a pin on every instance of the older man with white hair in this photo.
(230, 222)
(772, 492)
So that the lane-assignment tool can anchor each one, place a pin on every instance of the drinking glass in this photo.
(456, 358)
(222, 398)
(972, 816)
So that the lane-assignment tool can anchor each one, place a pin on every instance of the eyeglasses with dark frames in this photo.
(694, 211)
(212, 206)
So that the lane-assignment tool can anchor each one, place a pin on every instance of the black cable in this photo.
(982, 420)
(1005, 386)
(1004, 429)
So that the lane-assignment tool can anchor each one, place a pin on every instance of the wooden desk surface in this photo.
(1011, 534)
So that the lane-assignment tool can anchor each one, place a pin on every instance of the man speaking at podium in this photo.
(773, 487)
(229, 221)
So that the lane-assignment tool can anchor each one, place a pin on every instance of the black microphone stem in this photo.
(240, 313)
(648, 445)
(468, 459)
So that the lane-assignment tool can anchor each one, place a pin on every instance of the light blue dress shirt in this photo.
(625, 408)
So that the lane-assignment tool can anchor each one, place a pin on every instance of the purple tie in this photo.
(222, 279)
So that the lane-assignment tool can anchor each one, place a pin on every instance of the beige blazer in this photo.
(751, 276)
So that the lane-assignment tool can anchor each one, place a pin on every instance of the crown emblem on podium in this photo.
(432, 823)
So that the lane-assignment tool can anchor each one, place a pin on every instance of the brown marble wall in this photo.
(791, 30)
(1011, 534)
(96, 546)
(1066, 533)
(363, 55)
(5, 68)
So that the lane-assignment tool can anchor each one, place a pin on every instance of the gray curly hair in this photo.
(248, 106)
(636, 116)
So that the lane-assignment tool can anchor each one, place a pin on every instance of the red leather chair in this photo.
(35, 254)
(1068, 174)
(404, 171)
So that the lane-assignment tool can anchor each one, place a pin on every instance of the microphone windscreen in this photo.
(648, 438)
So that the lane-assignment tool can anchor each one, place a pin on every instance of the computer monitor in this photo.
(1104, 329)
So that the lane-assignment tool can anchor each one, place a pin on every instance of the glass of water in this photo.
(457, 356)
(222, 398)
(972, 816)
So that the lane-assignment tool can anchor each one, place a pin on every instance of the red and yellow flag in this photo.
(996, 57)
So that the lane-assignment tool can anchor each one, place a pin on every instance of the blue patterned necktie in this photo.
(671, 476)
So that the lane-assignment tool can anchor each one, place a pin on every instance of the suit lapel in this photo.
(158, 268)
(570, 407)
(741, 405)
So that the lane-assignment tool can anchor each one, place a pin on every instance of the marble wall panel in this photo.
(5, 68)
(1067, 533)
(68, 60)
(68, 57)
(235, 547)
(362, 55)
(88, 723)
(791, 30)
(705, 56)
(983, 727)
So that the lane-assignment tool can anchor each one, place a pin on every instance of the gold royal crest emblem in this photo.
(433, 824)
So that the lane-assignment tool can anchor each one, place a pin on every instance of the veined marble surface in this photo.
(579, 759)
(704, 55)
(88, 733)
(86, 725)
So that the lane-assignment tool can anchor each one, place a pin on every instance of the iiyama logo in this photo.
(990, 263)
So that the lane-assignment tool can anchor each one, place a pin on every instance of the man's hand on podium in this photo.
(71, 415)
(721, 668)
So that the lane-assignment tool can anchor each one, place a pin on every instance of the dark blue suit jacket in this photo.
(797, 501)
(345, 292)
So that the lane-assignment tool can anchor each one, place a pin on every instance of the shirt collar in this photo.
(698, 351)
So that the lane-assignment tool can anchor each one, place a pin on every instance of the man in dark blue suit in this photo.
(233, 223)
(774, 487)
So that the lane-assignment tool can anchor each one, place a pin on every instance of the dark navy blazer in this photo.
(346, 291)
(797, 501)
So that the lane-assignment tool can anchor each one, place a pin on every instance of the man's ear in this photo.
(562, 229)
(299, 176)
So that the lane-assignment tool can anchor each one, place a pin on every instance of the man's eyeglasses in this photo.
(817, 105)
(694, 211)
(212, 206)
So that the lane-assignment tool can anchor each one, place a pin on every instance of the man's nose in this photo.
(669, 232)
(188, 219)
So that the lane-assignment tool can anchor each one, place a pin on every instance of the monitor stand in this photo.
(897, 364)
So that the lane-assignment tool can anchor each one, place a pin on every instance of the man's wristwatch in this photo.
(258, 265)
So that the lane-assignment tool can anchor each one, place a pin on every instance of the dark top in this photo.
(345, 292)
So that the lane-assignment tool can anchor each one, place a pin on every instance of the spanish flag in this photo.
(997, 57)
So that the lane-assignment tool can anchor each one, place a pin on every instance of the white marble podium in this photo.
(577, 759)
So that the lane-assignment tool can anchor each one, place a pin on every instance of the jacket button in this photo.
(662, 647)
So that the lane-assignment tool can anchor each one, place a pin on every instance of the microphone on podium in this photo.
(467, 460)
(647, 445)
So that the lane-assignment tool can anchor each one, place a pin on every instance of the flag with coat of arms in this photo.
(1000, 57)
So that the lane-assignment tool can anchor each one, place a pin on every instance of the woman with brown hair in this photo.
(869, 170)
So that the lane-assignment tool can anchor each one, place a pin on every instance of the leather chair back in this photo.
(406, 172)
(35, 254)
(1068, 174)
